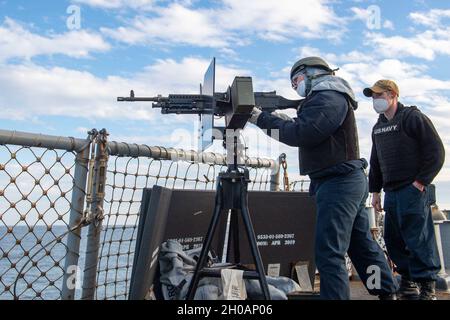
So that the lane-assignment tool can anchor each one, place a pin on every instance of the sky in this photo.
(63, 63)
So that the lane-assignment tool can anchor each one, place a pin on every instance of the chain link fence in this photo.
(69, 208)
(38, 201)
(52, 187)
(135, 167)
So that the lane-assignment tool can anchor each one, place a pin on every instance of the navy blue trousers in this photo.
(343, 226)
(409, 233)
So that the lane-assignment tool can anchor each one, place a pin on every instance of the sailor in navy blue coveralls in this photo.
(325, 133)
(407, 154)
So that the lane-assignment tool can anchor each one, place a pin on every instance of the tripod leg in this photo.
(206, 244)
(253, 245)
(234, 236)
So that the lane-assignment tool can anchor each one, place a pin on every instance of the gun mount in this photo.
(236, 104)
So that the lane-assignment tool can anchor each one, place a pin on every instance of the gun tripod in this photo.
(231, 194)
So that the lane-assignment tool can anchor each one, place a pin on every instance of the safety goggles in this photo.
(296, 79)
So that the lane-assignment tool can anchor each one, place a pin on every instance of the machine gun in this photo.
(236, 104)
(203, 104)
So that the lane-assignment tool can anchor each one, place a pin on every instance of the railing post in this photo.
(275, 175)
(95, 207)
(437, 230)
(76, 215)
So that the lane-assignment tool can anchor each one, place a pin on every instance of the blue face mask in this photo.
(380, 105)
(301, 88)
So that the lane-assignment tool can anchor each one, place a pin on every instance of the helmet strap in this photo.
(310, 78)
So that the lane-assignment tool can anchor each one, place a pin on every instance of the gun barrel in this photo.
(137, 99)
(217, 104)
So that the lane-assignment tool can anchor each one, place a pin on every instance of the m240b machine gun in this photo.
(236, 104)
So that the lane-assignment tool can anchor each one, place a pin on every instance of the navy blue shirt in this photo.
(325, 114)
(312, 127)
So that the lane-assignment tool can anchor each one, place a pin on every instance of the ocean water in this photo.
(43, 273)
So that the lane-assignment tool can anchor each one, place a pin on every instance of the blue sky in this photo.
(62, 79)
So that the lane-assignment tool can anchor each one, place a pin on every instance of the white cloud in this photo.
(362, 14)
(232, 23)
(284, 19)
(425, 45)
(362, 69)
(117, 4)
(60, 91)
(72, 93)
(388, 24)
(333, 59)
(28, 91)
(366, 15)
(171, 76)
(82, 130)
(432, 18)
(174, 24)
(18, 42)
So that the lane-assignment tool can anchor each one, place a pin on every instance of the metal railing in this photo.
(42, 187)
(135, 167)
(69, 208)
(67, 202)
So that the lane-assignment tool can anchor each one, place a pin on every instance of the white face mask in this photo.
(380, 105)
(301, 88)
